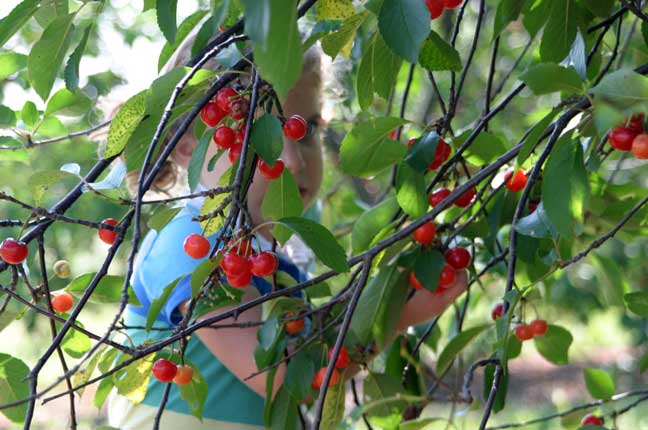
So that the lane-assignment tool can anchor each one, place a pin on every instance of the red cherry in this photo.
(235, 265)
(458, 258)
(196, 246)
(435, 7)
(263, 264)
(343, 359)
(13, 251)
(392, 135)
(636, 123)
(441, 154)
(318, 379)
(224, 137)
(447, 277)
(497, 311)
(411, 142)
(234, 152)
(592, 420)
(451, 4)
(621, 138)
(295, 127)
(268, 171)
(294, 326)
(62, 301)
(183, 375)
(211, 114)
(538, 327)
(523, 332)
(466, 199)
(438, 196)
(414, 282)
(240, 281)
(640, 146)
(108, 236)
(164, 370)
(224, 99)
(515, 182)
(533, 204)
(239, 137)
(425, 233)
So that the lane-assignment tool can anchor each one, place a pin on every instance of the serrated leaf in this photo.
(166, 18)
(71, 72)
(7, 119)
(162, 217)
(281, 200)
(18, 16)
(183, 30)
(370, 223)
(29, 114)
(301, 368)
(560, 31)
(637, 302)
(107, 291)
(14, 386)
(624, 90)
(507, 12)
(377, 71)
(68, 103)
(554, 344)
(536, 224)
(404, 24)
(284, 410)
(548, 78)
(410, 191)
(46, 56)
(428, 268)
(132, 381)
(104, 388)
(201, 273)
(334, 9)
(456, 345)
(377, 388)
(534, 137)
(437, 55)
(198, 159)
(212, 225)
(159, 302)
(10, 63)
(421, 154)
(40, 182)
(599, 383)
(342, 40)
(125, 123)
(75, 344)
(84, 375)
(486, 147)
(266, 137)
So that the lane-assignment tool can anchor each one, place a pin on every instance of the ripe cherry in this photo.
(441, 154)
(295, 127)
(164, 370)
(343, 359)
(235, 265)
(318, 379)
(592, 420)
(451, 4)
(458, 258)
(211, 114)
(414, 282)
(447, 277)
(538, 327)
(640, 146)
(435, 7)
(523, 332)
(621, 138)
(438, 196)
(223, 137)
(263, 264)
(239, 108)
(516, 182)
(13, 251)
(234, 152)
(183, 375)
(425, 233)
(636, 123)
(466, 199)
(62, 301)
(196, 246)
(224, 99)
(497, 311)
(108, 236)
(239, 281)
(239, 136)
(392, 134)
(270, 171)
(294, 326)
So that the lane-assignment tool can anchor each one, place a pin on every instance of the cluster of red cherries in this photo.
(436, 7)
(229, 103)
(167, 371)
(343, 361)
(522, 331)
(630, 136)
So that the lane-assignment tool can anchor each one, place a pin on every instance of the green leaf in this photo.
(284, 410)
(84, 375)
(166, 18)
(536, 15)
(320, 240)
(18, 16)
(29, 114)
(489, 374)
(132, 381)
(437, 55)
(624, 89)
(548, 78)
(485, 149)
(201, 273)
(565, 186)
(507, 12)
(644, 31)
(554, 344)
(333, 410)
(420, 424)
(266, 138)
(601, 8)
(643, 363)
(10, 63)
(282, 200)
(270, 346)
(272, 27)
(428, 268)
(560, 31)
(162, 217)
(637, 302)
(456, 345)
(376, 388)
(75, 344)
(212, 225)
(534, 137)
(105, 386)
(107, 291)
(370, 223)
(68, 103)
(341, 41)
(71, 72)
(13, 386)
(40, 182)
(195, 392)
(334, 9)
(157, 303)
(599, 383)
(46, 56)
(7, 118)
(366, 150)
(125, 123)
(183, 30)
(404, 24)
(536, 224)
(421, 154)
(301, 368)
(410, 191)
(377, 71)
(198, 159)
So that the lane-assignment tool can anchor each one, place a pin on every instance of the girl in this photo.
(225, 356)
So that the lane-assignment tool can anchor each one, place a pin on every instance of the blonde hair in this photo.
(171, 180)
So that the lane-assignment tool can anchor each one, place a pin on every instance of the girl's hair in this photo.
(172, 178)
